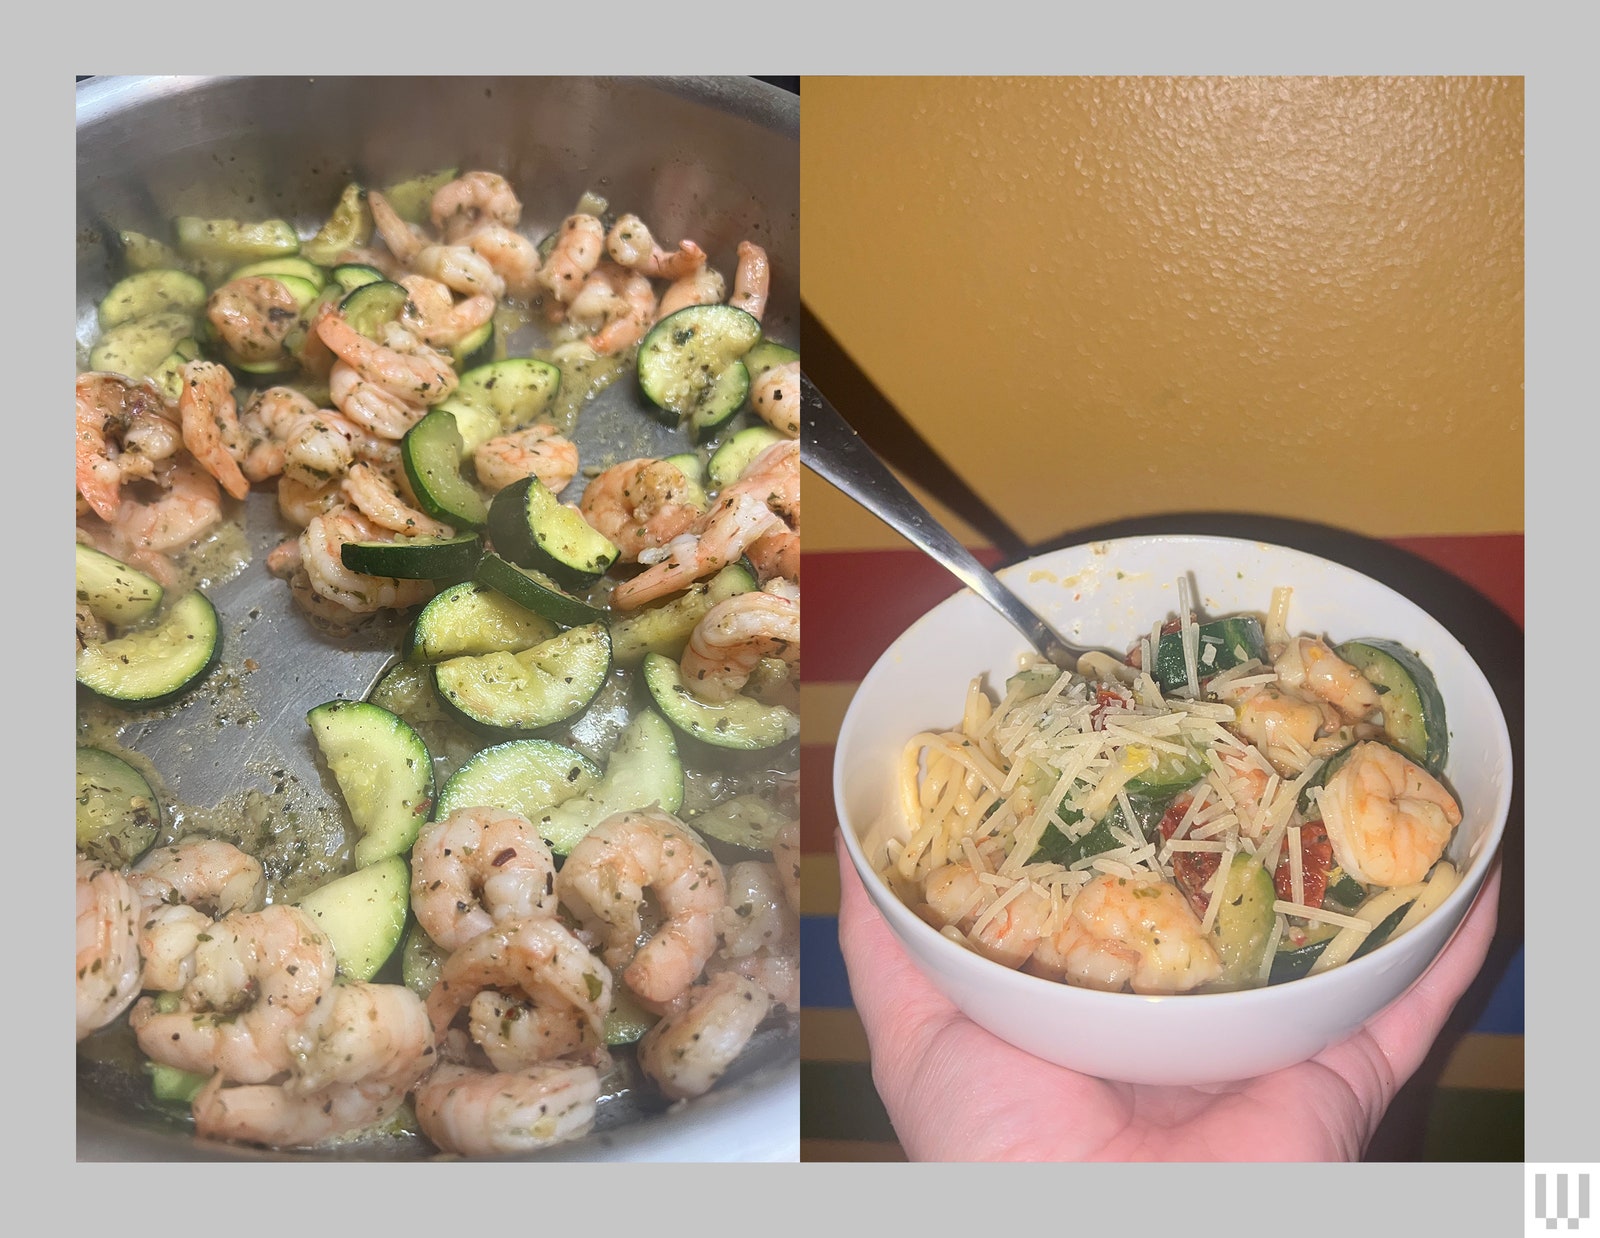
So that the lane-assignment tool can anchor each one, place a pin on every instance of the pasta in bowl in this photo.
(1127, 871)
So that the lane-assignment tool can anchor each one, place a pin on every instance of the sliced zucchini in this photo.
(286, 267)
(733, 455)
(371, 307)
(413, 199)
(666, 626)
(517, 693)
(690, 465)
(740, 723)
(116, 593)
(118, 814)
(1244, 922)
(517, 390)
(766, 354)
(1032, 681)
(384, 772)
(1171, 774)
(1413, 707)
(348, 226)
(432, 452)
(627, 1021)
(352, 275)
(476, 425)
(475, 348)
(235, 242)
(748, 821)
(363, 915)
(136, 349)
(530, 526)
(536, 591)
(169, 374)
(642, 770)
(145, 253)
(158, 662)
(470, 618)
(174, 1085)
(1223, 644)
(1293, 963)
(689, 365)
(420, 960)
(452, 558)
(148, 293)
(529, 776)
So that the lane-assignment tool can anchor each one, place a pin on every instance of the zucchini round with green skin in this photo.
(765, 355)
(149, 293)
(475, 424)
(529, 776)
(412, 198)
(363, 915)
(745, 821)
(451, 558)
(137, 348)
(384, 772)
(505, 693)
(729, 461)
(116, 593)
(475, 348)
(420, 960)
(642, 770)
(234, 242)
(174, 1085)
(169, 374)
(118, 814)
(1413, 707)
(432, 452)
(152, 665)
(352, 275)
(530, 526)
(740, 723)
(536, 591)
(1222, 644)
(294, 266)
(1244, 922)
(517, 390)
(470, 618)
(371, 307)
(144, 253)
(689, 365)
(348, 226)
(666, 626)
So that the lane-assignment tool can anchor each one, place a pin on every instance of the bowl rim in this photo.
(902, 919)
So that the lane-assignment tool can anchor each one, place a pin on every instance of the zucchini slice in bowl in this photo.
(154, 664)
(740, 723)
(507, 694)
(1413, 707)
(690, 367)
(384, 772)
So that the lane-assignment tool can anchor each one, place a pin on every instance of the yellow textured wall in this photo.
(1111, 297)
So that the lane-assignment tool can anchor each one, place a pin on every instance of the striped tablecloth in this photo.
(1465, 1104)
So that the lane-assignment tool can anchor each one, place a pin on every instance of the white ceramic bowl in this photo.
(1107, 594)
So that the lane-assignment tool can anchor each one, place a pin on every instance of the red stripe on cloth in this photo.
(859, 601)
(817, 818)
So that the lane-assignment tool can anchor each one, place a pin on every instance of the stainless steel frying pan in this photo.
(715, 158)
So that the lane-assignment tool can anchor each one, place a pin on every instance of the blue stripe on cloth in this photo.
(824, 984)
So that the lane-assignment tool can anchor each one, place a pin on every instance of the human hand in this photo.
(955, 1092)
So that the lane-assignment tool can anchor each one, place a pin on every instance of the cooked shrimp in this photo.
(375, 497)
(775, 556)
(433, 314)
(617, 304)
(776, 398)
(1289, 729)
(954, 894)
(690, 1049)
(630, 245)
(733, 636)
(576, 252)
(757, 915)
(536, 959)
(640, 505)
(374, 1033)
(267, 424)
(511, 256)
(704, 286)
(461, 269)
(400, 364)
(207, 873)
(369, 406)
(253, 315)
(210, 419)
(112, 413)
(1307, 664)
(773, 476)
(108, 962)
(479, 1113)
(1389, 820)
(775, 970)
(474, 199)
(188, 507)
(273, 1115)
(300, 504)
(750, 279)
(404, 239)
(603, 882)
(1129, 932)
(717, 539)
(536, 451)
(323, 447)
(257, 977)
(321, 557)
(478, 867)
(515, 1033)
